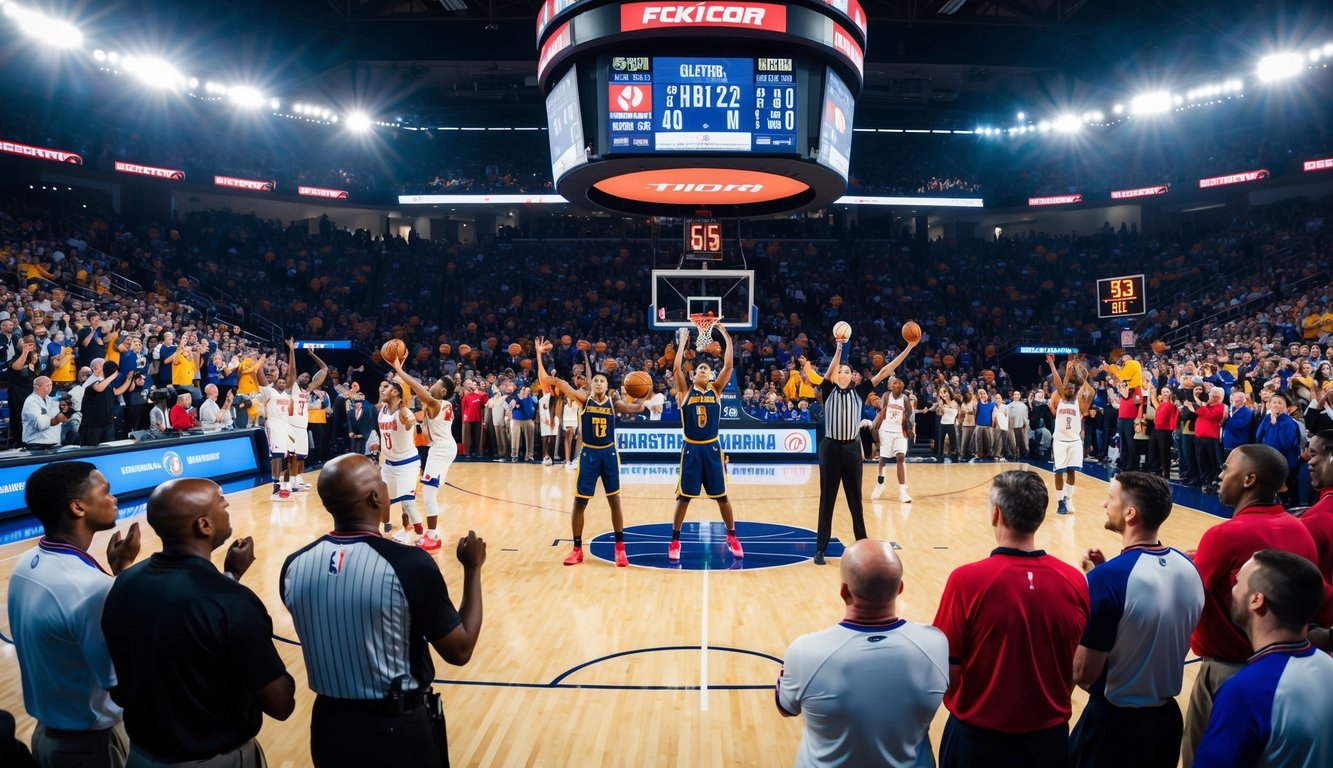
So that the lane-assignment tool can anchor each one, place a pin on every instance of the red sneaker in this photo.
(734, 545)
(430, 542)
(673, 551)
(622, 560)
(575, 556)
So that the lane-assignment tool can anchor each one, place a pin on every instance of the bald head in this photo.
(189, 510)
(351, 489)
(872, 572)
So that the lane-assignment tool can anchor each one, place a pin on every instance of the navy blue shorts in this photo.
(701, 471)
(597, 463)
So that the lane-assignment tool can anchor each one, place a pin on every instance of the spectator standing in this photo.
(1280, 431)
(23, 372)
(360, 422)
(1276, 710)
(472, 405)
(99, 403)
(870, 685)
(1318, 519)
(1209, 416)
(55, 614)
(522, 421)
(1164, 426)
(367, 611)
(497, 410)
(1238, 427)
(193, 650)
(1145, 603)
(42, 418)
(1249, 483)
(1013, 622)
(1129, 375)
(1018, 424)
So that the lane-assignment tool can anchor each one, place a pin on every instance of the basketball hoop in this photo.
(705, 323)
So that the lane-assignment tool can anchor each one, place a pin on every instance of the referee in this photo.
(367, 610)
(842, 394)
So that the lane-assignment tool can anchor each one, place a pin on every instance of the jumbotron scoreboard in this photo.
(662, 108)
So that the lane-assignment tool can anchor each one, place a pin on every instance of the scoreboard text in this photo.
(1120, 296)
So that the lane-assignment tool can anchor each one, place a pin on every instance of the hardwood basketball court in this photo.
(598, 666)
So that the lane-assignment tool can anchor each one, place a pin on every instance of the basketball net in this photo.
(705, 323)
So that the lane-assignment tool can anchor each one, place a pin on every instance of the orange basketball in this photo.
(515, 349)
(394, 350)
(446, 349)
(611, 364)
(584, 346)
(464, 350)
(911, 332)
(714, 349)
(639, 385)
(1159, 346)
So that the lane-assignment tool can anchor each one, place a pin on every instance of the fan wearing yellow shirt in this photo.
(246, 383)
(184, 363)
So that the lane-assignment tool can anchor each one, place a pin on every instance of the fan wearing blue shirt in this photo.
(1276, 709)
(1145, 604)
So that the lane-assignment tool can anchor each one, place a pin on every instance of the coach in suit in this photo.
(368, 610)
(360, 422)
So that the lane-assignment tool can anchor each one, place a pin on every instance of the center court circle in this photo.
(703, 546)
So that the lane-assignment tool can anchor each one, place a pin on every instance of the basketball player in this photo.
(443, 447)
(278, 408)
(701, 468)
(598, 457)
(399, 462)
(895, 429)
(1069, 404)
(300, 420)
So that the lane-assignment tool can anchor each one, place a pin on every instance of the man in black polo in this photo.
(367, 610)
(193, 650)
(99, 403)
(840, 450)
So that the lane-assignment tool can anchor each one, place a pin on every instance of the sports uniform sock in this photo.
(419, 528)
(675, 535)
(578, 542)
(880, 480)
(620, 537)
(731, 531)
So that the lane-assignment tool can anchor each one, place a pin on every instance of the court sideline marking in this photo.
(703, 642)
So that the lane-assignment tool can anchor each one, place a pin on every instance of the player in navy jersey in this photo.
(702, 472)
(598, 457)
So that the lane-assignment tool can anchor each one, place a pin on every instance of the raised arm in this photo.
(291, 364)
(542, 345)
(261, 378)
(728, 357)
(835, 361)
(627, 404)
(678, 367)
(892, 365)
(323, 373)
(431, 404)
(1057, 384)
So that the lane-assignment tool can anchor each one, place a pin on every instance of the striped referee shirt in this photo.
(842, 408)
(366, 609)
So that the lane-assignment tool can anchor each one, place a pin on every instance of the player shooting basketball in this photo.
(701, 469)
(1069, 402)
(598, 457)
(439, 418)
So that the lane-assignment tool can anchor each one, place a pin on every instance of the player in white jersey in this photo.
(894, 424)
(300, 421)
(439, 424)
(1070, 404)
(278, 407)
(399, 463)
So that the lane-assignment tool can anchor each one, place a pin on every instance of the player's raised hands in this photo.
(471, 550)
(120, 552)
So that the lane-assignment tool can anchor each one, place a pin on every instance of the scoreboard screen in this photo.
(670, 104)
(703, 239)
(1120, 296)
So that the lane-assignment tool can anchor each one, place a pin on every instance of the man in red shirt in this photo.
(1250, 480)
(1207, 432)
(471, 404)
(181, 417)
(1014, 621)
(1318, 519)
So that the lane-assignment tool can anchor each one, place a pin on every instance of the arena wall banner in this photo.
(170, 174)
(254, 185)
(1322, 164)
(40, 153)
(328, 194)
(778, 441)
(1055, 200)
(1126, 194)
(145, 466)
(1233, 178)
(739, 474)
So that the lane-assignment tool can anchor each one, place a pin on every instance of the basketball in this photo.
(464, 350)
(714, 349)
(583, 345)
(1159, 346)
(394, 351)
(911, 332)
(611, 364)
(515, 349)
(842, 331)
(639, 385)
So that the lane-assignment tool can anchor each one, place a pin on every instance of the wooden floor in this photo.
(519, 704)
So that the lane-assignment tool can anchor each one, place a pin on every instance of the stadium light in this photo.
(1279, 66)
(1118, 109)
(274, 104)
(1067, 124)
(56, 33)
(358, 122)
(153, 72)
(245, 96)
(1150, 103)
(1022, 116)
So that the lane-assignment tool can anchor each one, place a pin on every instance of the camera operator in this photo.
(159, 418)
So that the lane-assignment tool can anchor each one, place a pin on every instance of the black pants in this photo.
(1205, 454)
(1159, 453)
(94, 436)
(319, 442)
(1108, 736)
(967, 746)
(946, 432)
(356, 734)
(1129, 458)
(839, 462)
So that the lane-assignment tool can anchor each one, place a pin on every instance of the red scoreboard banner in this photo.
(1233, 178)
(254, 185)
(170, 174)
(1322, 164)
(40, 153)
(331, 194)
(1056, 200)
(1125, 194)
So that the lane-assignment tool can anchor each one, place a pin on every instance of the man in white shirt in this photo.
(1018, 424)
(212, 416)
(870, 685)
(42, 418)
(55, 614)
(655, 405)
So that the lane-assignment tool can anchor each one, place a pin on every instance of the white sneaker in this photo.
(1069, 504)
(546, 462)
(903, 498)
(569, 465)
(400, 536)
(301, 485)
(281, 496)
(879, 491)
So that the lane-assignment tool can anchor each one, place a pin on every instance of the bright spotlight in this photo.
(1067, 123)
(99, 55)
(154, 73)
(1044, 126)
(274, 104)
(1022, 116)
(1150, 103)
(245, 96)
(54, 32)
(1118, 109)
(358, 122)
(1280, 66)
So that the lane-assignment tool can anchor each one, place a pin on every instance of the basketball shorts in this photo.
(279, 435)
(300, 441)
(1067, 454)
(891, 444)
(594, 464)
(438, 461)
(401, 477)
(701, 471)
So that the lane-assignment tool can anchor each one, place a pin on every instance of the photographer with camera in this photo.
(159, 418)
